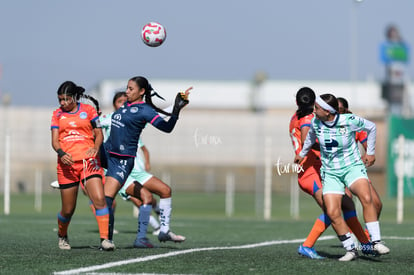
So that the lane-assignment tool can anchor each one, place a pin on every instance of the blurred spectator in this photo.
(394, 53)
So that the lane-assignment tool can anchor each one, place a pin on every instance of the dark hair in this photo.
(71, 89)
(142, 82)
(305, 99)
(343, 101)
(331, 100)
(118, 95)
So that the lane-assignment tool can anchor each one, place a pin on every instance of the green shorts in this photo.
(140, 176)
(334, 182)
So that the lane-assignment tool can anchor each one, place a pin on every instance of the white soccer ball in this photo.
(153, 34)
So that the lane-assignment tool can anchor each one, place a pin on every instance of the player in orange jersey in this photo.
(76, 137)
(309, 178)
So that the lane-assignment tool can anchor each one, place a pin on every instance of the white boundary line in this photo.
(175, 253)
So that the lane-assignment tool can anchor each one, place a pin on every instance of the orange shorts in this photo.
(72, 175)
(310, 180)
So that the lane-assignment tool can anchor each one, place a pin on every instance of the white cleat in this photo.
(349, 256)
(169, 236)
(64, 243)
(107, 245)
(55, 184)
(380, 248)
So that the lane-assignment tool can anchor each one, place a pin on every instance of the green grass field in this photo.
(242, 244)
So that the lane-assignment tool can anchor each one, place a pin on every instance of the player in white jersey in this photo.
(361, 137)
(342, 166)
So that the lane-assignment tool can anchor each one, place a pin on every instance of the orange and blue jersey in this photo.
(361, 137)
(76, 130)
(309, 178)
(295, 126)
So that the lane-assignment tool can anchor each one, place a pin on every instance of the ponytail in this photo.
(142, 82)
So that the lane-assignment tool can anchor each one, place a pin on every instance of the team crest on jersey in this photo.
(342, 130)
(83, 115)
(134, 110)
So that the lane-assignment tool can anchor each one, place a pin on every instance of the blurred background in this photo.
(245, 59)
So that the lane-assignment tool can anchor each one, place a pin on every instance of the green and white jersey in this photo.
(336, 138)
(106, 125)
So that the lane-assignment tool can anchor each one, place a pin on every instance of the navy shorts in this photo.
(119, 167)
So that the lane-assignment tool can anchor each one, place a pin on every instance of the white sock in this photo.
(374, 230)
(165, 214)
(347, 241)
(154, 223)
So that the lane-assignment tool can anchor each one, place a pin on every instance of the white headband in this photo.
(325, 105)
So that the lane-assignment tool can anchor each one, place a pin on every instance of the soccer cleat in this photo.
(368, 249)
(107, 245)
(143, 243)
(169, 236)
(349, 256)
(55, 184)
(156, 232)
(380, 248)
(64, 243)
(309, 252)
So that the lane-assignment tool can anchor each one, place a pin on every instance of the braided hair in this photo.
(69, 88)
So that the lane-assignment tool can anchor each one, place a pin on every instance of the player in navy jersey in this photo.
(342, 166)
(120, 149)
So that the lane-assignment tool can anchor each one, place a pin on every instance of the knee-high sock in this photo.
(154, 223)
(109, 201)
(165, 214)
(353, 223)
(102, 217)
(320, 225)
(143, 220)
(63, 224)
(374, 230)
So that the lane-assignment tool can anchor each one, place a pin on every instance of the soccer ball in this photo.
(153, 34)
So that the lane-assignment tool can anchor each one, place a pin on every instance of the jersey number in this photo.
(330, 143)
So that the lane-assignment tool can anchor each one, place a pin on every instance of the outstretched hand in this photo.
(181, 100)
(186, 93)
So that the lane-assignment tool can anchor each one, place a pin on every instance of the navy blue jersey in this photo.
(126, 126)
